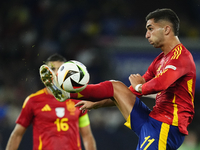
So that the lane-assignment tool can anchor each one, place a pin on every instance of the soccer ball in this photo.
(73, 76)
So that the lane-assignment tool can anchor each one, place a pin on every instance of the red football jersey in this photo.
(173, 77)
(55, 124)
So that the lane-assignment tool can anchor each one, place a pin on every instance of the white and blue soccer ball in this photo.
(73, 76)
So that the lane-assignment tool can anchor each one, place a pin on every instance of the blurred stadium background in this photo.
(108, 36)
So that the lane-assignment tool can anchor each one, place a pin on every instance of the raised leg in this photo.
(123, 98)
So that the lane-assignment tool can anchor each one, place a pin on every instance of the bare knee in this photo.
(124, 98)
(119, 87)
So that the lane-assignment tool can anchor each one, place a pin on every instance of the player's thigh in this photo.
(124, 98)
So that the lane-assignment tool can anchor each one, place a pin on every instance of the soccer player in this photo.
(172, 75)
(56, 125)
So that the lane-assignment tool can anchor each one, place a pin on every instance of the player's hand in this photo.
(86, 105)
(136, 79)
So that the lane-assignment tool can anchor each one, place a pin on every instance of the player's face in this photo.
(54, 65)
(155, 33)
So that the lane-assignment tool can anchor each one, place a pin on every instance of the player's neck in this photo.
(170, 44)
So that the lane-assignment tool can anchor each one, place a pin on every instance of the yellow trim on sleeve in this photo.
(84, 121)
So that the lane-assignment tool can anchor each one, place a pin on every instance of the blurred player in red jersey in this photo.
(56, 125)
(172, 75)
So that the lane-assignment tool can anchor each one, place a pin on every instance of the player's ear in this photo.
(167, 29)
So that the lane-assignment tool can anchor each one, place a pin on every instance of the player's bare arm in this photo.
(15, 137)
(88, 139)
(88, 105)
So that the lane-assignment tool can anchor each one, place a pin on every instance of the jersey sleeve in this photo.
(174, 69)
(26, 115)
(135, 92)
(150, 74)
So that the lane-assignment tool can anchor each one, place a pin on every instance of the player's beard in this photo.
(157, 40)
